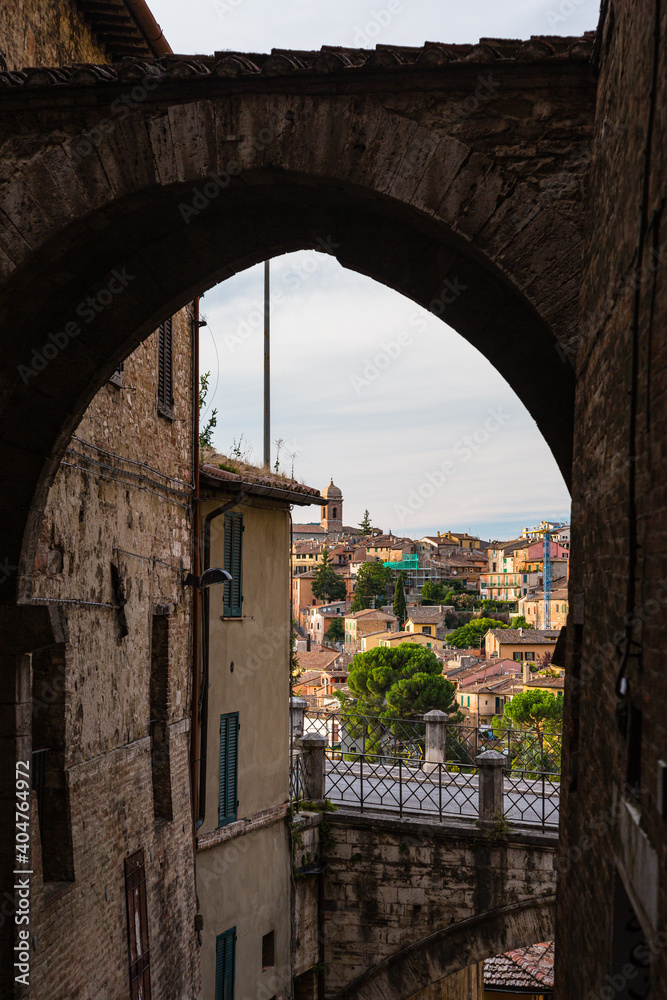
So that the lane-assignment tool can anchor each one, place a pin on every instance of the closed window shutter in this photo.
(137, 926)
(165, 388)
(233, 557)
(225, 961)
(229, 762)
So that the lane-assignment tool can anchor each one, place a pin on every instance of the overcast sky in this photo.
(385, 431)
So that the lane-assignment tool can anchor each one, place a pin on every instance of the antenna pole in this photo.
(267, 368)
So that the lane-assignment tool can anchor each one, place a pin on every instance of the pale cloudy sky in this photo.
(385, 431)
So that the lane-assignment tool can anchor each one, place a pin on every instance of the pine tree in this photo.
(400, 607)
(328, 585)
(365, 527)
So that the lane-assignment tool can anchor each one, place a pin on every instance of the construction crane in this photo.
(546, 570)
(546, 577)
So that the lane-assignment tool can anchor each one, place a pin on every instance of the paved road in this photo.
(419, 794)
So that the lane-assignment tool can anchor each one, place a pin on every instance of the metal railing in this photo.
(407, 787)
(297, 780)
(380, 764)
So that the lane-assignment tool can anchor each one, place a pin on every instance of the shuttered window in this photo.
(165, 386)
(229, 764)
(225, 960)
(233, 596)
(137, 926)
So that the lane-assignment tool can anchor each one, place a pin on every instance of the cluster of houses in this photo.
(486, 679)
(509, 572)
(509, 661)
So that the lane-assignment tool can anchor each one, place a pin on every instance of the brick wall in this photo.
(107, 508)
(601, 836)
(35, 33)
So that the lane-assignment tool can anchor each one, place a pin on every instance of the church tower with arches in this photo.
(332, 515)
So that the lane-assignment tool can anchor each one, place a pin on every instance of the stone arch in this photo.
(192, 186)
(452, 948)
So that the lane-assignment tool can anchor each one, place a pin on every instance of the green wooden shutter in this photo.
(225, 961)
(229, 765)
(233, 557)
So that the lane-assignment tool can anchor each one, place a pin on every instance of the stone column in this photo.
(314, 760)
(491, 788)
(297, 707)
(434, 742)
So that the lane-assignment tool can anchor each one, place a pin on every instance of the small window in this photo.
(426, 629)
(225, 963)
(159, 716)
(268, 950)
(165, 381)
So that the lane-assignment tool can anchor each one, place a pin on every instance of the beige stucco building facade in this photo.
(243, 852)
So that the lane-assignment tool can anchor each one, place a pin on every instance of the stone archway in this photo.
(453, 948)
(129, 191)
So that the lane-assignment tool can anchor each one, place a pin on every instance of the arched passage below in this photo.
(452, 948)
(207, 174)
(161, 267)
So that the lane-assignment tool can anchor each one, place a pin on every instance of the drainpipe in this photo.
(195, 562)
(206, 614)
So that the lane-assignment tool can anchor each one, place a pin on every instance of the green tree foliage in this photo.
(373, 582)
(328, 585)
(365, 526)
(538, 710)
(520, 622)
(472, 634)
(206, 431)
(430, 593)
(295, 670)
(336, 630)
(400, 607)
(400, 682)
(445, 592)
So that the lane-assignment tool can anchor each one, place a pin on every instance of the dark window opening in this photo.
(305, 986)
(165, 382)
(630, 952)
(137, 927)
(48, 763)
(268, 950)
(159, 732)
(634, 761)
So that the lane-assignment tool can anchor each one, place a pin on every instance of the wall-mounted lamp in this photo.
(208, 578)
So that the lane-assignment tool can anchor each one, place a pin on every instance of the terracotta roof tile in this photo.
(260, 482)
(521, 969)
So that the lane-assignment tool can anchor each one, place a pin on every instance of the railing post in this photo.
(297, 707)
(314, 764)
(435, 739)
(491, 787)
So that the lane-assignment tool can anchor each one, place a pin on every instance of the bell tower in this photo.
(332, 514)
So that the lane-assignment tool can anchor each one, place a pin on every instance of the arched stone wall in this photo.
(453, 948)
(126, 193)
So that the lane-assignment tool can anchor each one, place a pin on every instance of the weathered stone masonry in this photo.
(389, 884)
